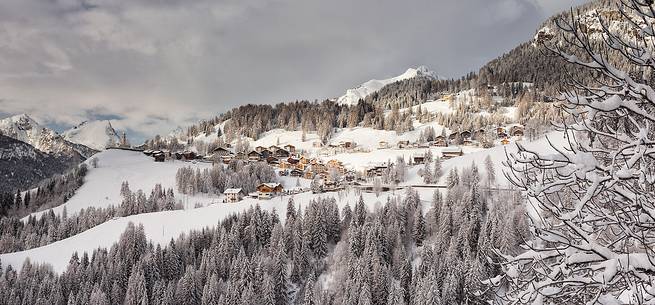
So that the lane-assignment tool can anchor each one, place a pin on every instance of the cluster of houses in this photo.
(466, 138)
(287, 160)
(163, 155)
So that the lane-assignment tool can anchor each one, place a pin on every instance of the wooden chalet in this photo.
(440, 141)
(516, 131)
(451, 152)
(290, 148)
(159, 156)
(226, 159)
(376, 171)
(309, 175)
(269, 190)
(254, 156)
(504, 141)
(418, 158)
(281, 153)
(272, 160)
(403, 144)
(189, 155)
(296, 173)
(265, 154)
(221, 151)
(259, 149)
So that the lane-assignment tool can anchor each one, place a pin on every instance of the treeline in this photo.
(237, 174)
(395, 254)
(19, 235)
(49, 193)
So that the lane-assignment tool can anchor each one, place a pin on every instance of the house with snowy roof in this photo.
(233, 195)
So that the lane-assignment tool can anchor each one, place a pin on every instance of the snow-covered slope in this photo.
(352, 96)
(94, 134)
(102, 185)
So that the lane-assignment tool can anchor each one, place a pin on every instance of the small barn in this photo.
(290, 148)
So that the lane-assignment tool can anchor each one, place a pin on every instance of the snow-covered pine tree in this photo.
(595, 246)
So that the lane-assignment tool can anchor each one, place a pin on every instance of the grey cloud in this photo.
(159, 64)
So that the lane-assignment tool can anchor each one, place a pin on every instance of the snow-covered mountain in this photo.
(352, 96)
(24, 128)
(22, 165)
(94, 134)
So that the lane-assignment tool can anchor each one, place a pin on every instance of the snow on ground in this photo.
(439, 106)
(497, 155)
(160, 227)
(284, 137)
(102, 185)
(361, 161)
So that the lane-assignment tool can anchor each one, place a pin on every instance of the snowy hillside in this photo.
(352, 96)
(94, 134)
(102, 184)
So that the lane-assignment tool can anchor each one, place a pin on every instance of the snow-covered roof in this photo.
(271, 185)
(232, 191)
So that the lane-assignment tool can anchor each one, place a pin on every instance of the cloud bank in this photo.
(154, 65)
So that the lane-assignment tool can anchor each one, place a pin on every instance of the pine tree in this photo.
(418, 231)
(136, 293)
(437, 173)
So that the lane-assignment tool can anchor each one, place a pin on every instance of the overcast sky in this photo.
(155, 65)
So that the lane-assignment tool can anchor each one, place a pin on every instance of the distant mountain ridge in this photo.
(97, 135)
(352, 96)
(30, 152)
(22, 165)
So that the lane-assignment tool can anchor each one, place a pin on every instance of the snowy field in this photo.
(102, 185)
